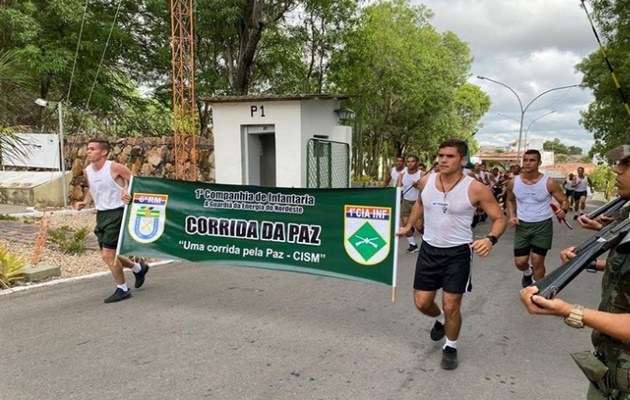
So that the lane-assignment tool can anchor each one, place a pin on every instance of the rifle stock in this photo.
(609, 208)
(553, 283)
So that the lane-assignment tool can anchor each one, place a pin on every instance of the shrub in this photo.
(7, 217)
(12, 268)
(69, 240)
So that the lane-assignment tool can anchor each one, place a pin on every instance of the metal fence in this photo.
(327, 164)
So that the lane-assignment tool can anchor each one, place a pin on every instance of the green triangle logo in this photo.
(366, 241)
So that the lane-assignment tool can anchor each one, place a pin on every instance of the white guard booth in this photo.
(265, 140)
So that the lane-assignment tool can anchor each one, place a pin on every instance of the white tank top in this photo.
(581, 184)
(532, 201)
(567, 184)
(394, 175)
(410, 193)
(104, 189)
(447, 219)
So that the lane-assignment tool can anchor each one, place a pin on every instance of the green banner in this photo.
(344, 233)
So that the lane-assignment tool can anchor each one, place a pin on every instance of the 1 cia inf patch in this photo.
(147, 217)
(367, 231)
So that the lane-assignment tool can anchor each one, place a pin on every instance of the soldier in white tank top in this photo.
(107, 180)
(106, 192)
(529, 196)
(391, 178)
(445, 208)
(456, 205)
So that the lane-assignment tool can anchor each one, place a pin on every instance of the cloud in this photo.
(531, 46)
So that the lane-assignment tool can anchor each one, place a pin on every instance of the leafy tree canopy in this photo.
(606, 117)
(558, 147)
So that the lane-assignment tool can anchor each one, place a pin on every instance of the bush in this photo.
(69, 240)
(12, 268)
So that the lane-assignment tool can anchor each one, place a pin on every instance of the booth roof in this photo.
(272, 97)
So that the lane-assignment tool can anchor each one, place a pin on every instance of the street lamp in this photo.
(530, 124)
(344, 113)
(44, 103)
(524, 109)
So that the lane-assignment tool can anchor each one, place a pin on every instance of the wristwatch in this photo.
(574, 320)
(493, 239)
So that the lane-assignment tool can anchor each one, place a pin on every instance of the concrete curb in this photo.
(71, 279)
(36, 213)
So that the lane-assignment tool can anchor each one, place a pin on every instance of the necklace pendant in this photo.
(444, 208)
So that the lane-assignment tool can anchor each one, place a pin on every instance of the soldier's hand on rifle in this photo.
(567, 254)
(605, 219)
(539, 305)
(587, 223)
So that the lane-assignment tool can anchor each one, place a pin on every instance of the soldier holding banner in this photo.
(608, 368)
(107, 181)
(445, 207)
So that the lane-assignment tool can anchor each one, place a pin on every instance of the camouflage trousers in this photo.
(594, 394)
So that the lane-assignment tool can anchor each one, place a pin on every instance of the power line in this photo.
(76, 54)
(111, 29)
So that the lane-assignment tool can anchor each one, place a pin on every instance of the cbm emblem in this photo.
(147, 217)
(367, 232)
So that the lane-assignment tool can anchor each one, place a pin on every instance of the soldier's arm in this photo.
(615, 325)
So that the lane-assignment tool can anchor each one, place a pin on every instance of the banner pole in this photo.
(395, 258)
(124, 220)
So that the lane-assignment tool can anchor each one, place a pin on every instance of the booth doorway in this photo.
(259, 155)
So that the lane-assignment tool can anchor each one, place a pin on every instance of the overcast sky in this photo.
(531, 46)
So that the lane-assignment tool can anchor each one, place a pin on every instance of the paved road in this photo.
(205, 331)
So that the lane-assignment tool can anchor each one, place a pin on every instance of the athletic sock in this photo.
(529, 271)
(136, 268)
(440, 318)
(449, 343)
(411, 240)
(123, 287)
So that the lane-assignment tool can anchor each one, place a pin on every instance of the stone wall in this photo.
(152, 156)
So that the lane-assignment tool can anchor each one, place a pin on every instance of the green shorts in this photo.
(108, 227)
(537, 236)
(406, 206)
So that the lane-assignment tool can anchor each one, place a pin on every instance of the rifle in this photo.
(609, 208)
(607, 238)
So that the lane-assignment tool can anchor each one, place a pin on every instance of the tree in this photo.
(560, 148)
(406, 78)
(603, 179)
(83, 56)
(606, 117)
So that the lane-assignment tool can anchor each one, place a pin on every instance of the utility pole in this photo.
(183, 65)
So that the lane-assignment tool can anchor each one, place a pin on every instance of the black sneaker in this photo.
(527, 280)
(144, 268)
(118, 295)
(437, 332)
(449, 358)
(412, 248)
